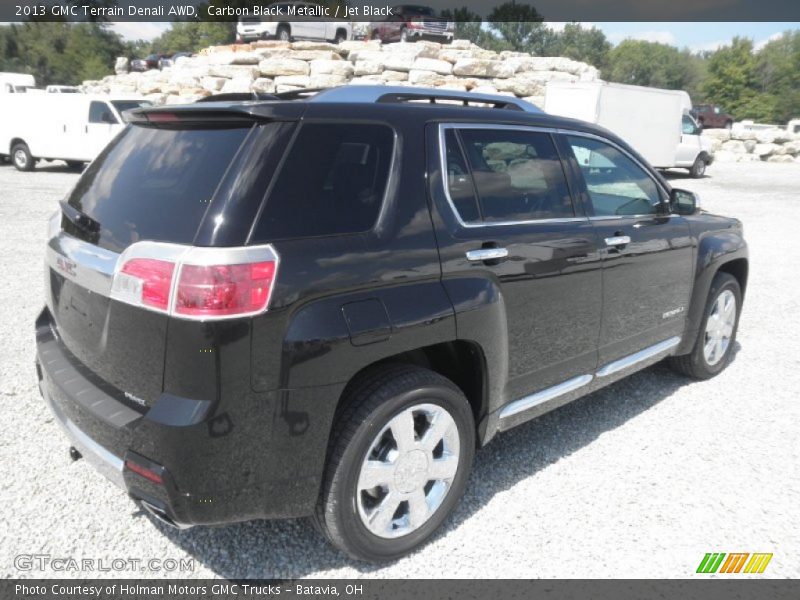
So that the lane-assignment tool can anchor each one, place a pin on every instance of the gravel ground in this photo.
(638, 480)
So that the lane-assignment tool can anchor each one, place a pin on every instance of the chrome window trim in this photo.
(443, 127)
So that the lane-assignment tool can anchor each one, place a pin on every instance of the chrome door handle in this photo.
(618, 240)
(487, 254)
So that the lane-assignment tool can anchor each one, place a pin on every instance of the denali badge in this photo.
(672, 313)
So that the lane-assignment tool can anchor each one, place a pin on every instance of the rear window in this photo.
(154, 184)
(332, 182)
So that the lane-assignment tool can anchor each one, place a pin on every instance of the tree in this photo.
(192, 36)
(777, 73)
(639, 62)
(588, 45)
(468, 24)
(731, 79)
(519, 27)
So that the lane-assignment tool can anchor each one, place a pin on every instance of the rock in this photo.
(484, 89)
(316, 55)
(121, 65)
(392, 76)
(792, 147)
(368, 67)
(235, 58)
(452, 55)
(735, 146)
(452, 85)
(270, 44)
(326, 81)
(764, 150)
(148, 87)
(283, 67)
(527, 84)
(213, 84)
(231, 71)
(725, 156)
(398, 62)
(263, 85)
(461, 44)
(781, 158)
(331, 67)
(316, 46)
(349, 46)
(368, 80)
(157, 99)
(425, 78)
(265, 53)
(442, 67)
(297, 81)
(482, 68)
(367, 54)
(237, 85)
(535, 100)
(717, 134)
(122, 88)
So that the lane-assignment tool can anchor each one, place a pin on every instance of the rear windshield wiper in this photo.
(79, 219)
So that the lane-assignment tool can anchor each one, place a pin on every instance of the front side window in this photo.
(515, 175)
(689, 126)
(617, 186)
(100, 112)
(332, 182)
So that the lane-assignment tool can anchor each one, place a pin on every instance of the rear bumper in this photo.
(237, 461)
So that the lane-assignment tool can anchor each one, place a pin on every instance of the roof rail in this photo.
(388, 93)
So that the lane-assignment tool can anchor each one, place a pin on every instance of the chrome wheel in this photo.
(719, 327)
(20, 158)
(408, 470)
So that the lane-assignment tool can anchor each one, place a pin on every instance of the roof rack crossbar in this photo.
(396, 94)
(238, 97)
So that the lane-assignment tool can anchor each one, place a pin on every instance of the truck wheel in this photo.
(698, 169)
(21, 157)
(714, 345)
(283, 33)
(404, 34)
(398, 463)
(341, 36)
(728, 125)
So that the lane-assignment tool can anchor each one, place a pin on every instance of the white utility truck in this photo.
(16, 83)
(655, 122)
(70, 127)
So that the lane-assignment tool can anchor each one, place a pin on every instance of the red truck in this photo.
(410, 22)
(711, 116)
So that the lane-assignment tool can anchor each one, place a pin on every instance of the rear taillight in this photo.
(223, 290)
(155, 278)
(196, 283)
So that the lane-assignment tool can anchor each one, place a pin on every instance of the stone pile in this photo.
(275, 66)
(743, 145)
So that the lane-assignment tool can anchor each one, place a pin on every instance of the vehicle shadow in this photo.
(669, 175)
(293, 548)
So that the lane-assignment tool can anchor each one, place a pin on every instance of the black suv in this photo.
(322, 304)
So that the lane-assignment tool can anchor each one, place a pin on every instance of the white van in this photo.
(655, 122)
(70, 127)
(292, 21)
(16, 83)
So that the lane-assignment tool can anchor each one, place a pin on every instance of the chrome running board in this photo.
(642, 355)
(529, 402)
(550, 393)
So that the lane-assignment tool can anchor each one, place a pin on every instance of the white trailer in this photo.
(655, 122)
(11, 83)
(70, 127)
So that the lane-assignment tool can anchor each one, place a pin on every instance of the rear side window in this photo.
(155, 184)
(332, 182)
(517, 175)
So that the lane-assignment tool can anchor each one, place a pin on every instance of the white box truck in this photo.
(655, 122)
(70, 127)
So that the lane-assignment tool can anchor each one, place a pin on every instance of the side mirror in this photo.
(683, 202)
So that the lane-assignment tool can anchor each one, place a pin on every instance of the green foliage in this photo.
(579, 43)
(193, 36)
(518, 27)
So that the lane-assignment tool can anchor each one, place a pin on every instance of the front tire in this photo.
(21, 157)
(284, 34)
(398, 463)
(698, 169)
(715, 341)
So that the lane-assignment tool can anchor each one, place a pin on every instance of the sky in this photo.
(696, 36)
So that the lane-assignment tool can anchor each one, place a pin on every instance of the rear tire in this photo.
(713, 347)
(21, 157)
(398, 463)
(698, 169)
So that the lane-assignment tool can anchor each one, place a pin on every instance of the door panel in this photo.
(647, 253)
(545, 267)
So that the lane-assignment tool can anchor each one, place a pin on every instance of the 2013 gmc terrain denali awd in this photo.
(321, 305)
